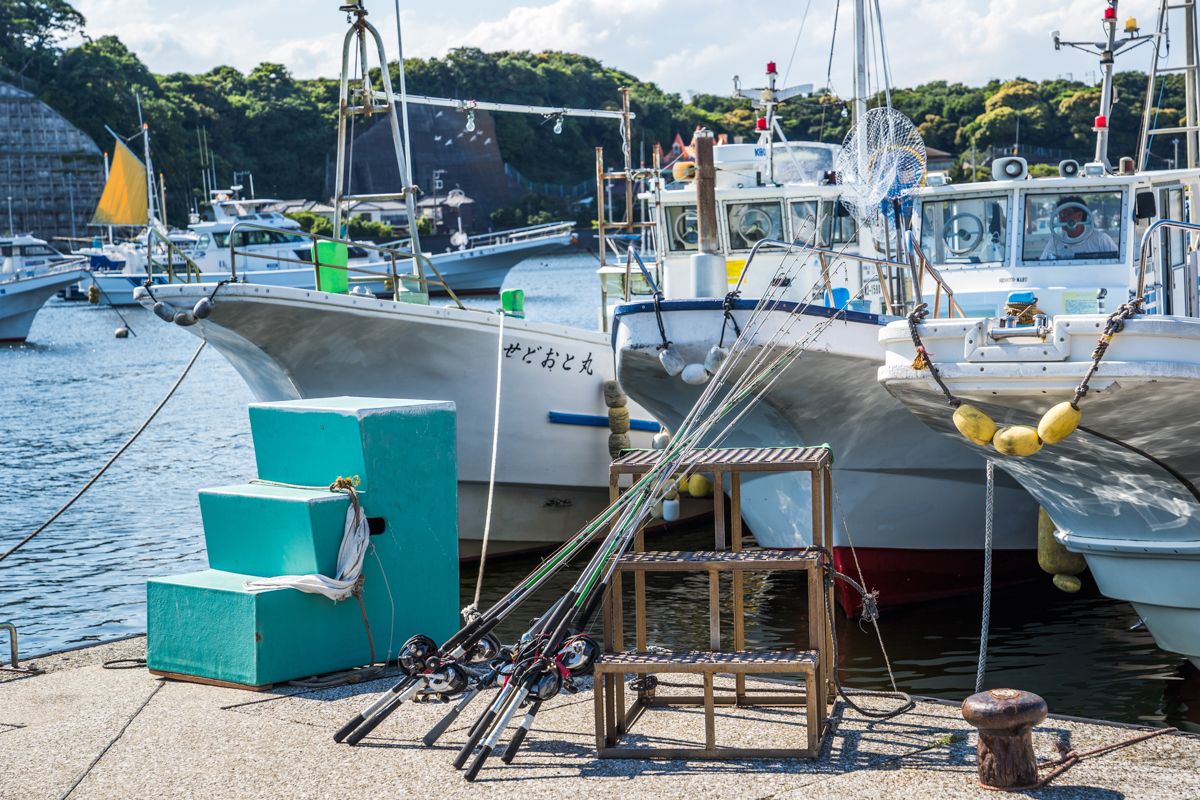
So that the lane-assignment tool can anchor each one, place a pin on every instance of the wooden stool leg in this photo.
(710, 713)
(815, 707)
(598, 703)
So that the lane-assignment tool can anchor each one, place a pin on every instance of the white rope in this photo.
(349, 564)
(487, 517)
(987, 579)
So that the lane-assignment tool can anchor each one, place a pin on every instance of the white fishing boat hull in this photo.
(914, 503)
(1122, 489)
(551, 476)
(22, 296)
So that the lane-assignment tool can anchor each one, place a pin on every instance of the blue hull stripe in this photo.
(598, 421)
(745, 304)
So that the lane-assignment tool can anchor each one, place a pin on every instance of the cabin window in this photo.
(683, 228)
(1072, 226)
(837, 225)
(804, 222)
(37, 250)
(965, 230)
(750, 223)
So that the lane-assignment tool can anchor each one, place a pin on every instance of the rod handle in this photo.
(477, 764)
(477, 732)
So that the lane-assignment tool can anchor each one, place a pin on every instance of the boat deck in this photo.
(82, 731)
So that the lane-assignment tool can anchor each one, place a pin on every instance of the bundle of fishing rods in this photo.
(556, 649)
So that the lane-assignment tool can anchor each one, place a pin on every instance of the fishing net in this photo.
(882, 160)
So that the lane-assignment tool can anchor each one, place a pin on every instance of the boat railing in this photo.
(65, 265)
(189, 268)
(543, 231)
(1145, 245)
(390, 258)
(826, 257)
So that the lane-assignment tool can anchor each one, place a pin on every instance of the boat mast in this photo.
(860, 61)
(357, 36)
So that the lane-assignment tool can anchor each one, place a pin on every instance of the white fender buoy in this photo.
(202, 308)
(660, 440)
(695, 374)
(715, 358)
(670, 510)
(122, 332)
(672, 362)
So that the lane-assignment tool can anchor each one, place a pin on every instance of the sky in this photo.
(687, 47)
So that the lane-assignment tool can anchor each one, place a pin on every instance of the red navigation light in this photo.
(1101, 122)
(1110, 13)
(761, 124)
(770, 67)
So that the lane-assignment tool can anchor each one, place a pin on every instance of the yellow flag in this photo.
(124, 198)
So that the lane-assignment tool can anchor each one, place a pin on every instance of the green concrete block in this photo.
(273, 530)
(206, 625)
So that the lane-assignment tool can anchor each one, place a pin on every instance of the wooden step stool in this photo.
(814, 663)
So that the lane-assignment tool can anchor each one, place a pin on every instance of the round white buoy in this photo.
(672, 362)
(660, 440)
(138, 293)
(670, 510)
(121, 332)
(695, 374)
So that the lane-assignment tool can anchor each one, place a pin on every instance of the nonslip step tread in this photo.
(723, 659)
(759, 558)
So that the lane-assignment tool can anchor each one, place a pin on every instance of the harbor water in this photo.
(70, 399)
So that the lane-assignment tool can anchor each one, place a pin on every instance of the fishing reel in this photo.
(444, 679)
(415, 653)
(578, 654)
(487, 648)
(548, 680)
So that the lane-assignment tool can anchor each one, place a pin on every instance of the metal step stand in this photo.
(813, 662)
(1190, 130)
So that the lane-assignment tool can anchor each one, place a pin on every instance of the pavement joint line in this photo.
(87, 771)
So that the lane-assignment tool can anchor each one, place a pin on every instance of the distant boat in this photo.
(31, 272)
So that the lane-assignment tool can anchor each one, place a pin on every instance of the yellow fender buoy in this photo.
(1017, 440)
(1056, 559)
(700, 486)
(618, 442)
(1058, 423)
(976, 426)
(1067, 583)
(683, 171)
(618, 419)
(94, 294)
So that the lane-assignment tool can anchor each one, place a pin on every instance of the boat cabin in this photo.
(1070, 241)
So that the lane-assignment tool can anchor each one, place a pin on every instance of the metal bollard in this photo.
(1005, 720)
(12, 635)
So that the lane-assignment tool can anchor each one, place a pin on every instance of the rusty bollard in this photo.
(1005, 720)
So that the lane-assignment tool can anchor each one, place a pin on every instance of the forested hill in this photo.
(282, 128)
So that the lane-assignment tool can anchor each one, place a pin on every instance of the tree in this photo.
(30, 31)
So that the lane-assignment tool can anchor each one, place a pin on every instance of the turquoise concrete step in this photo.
(404, 452)
(312, 442)
(273, 530)
(205, 624)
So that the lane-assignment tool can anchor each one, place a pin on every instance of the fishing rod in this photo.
(428, 667)
(584, 648)
(535, 679)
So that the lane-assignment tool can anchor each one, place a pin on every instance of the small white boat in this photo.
(31, 272)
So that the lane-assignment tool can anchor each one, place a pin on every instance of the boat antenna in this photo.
(1107, 50)
(767, 99)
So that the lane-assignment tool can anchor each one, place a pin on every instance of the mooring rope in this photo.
(487, 515)
(981, 667)
(112, 460)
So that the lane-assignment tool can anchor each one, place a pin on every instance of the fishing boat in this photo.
(912, 504)
(553, 429)
(1105, 336)
(31, 272)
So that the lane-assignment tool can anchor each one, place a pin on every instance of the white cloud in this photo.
(697, 46)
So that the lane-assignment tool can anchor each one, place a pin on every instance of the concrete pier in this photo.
(80, 730)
